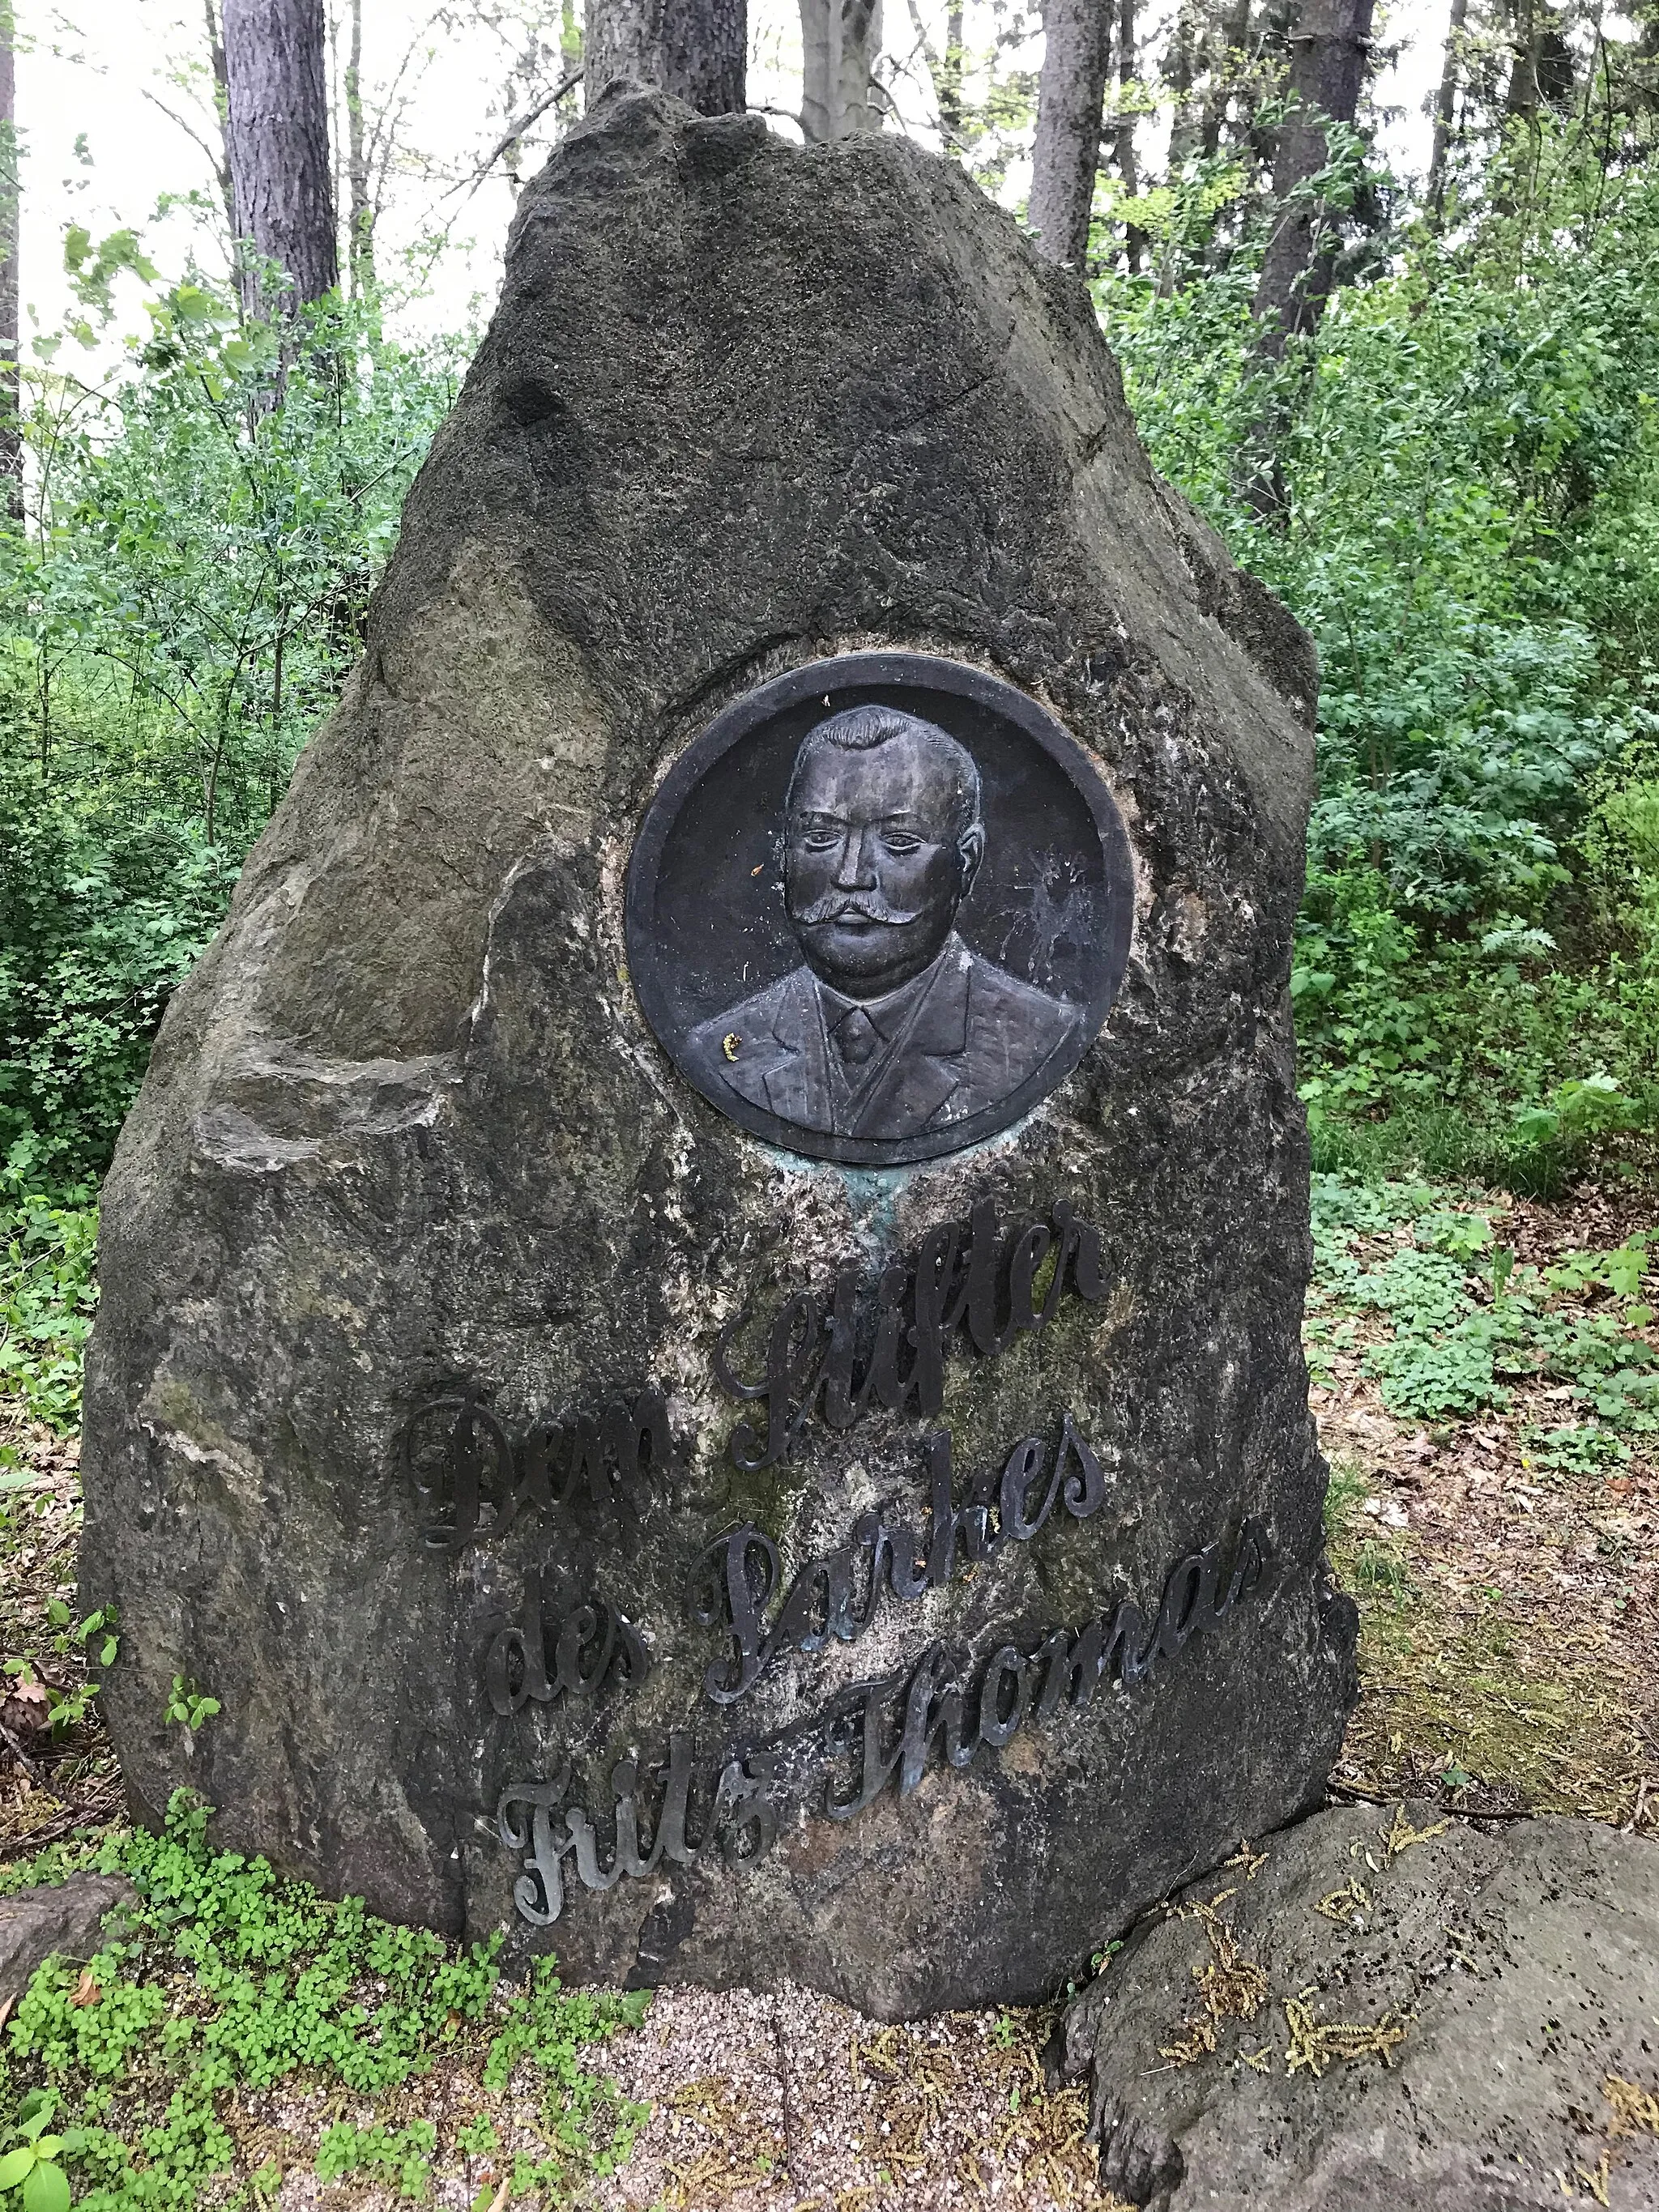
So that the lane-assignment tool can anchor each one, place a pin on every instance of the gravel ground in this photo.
(758, 2104)
(793, 2104)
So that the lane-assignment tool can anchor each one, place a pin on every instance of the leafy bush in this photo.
(48, 1247)
(176, 614)
(1472, 475)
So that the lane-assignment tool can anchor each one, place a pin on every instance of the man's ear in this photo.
(971, 847)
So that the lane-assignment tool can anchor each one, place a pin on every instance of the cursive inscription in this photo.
(839, 1595)
(842, 1353)
(593, 1647)
(738, 1814)
(464, 1466)
(881, 1733)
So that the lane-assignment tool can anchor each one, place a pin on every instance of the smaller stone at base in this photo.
(1382, 2010)
(64, 1918)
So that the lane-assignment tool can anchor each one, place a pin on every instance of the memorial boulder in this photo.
(699, 1339)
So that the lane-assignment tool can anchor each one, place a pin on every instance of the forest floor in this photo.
(1504, 1561)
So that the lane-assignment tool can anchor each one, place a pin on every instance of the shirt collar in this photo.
(887, 1016)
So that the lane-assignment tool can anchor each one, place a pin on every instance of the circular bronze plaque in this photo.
(879, 907)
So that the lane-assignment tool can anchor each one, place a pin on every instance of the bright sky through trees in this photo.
(95, 77)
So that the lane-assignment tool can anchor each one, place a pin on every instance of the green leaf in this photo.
(47, 2190)
(14, 2165)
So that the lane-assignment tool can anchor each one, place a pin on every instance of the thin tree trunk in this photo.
(840, 45)
(222, 109)
(1180, 65)
(1123, 133)
(360, 238)
(698, 49)
(1232, 29)
(1328, 52)
(1445, 107)
(277, 126)
(1071, 92)
(950, 80)
(11, 383)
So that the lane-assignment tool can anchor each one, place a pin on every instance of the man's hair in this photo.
(861, 729)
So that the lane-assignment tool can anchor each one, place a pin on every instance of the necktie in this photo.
(857, 1037)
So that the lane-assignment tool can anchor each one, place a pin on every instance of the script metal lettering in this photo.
(882, 1732)
(961, 1280)
(839, 1595)
(594, 1648)
(459, 1459)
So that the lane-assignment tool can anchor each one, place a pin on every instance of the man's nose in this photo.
(856, 869)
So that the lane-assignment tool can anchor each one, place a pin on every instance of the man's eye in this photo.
(903, 845)
(821, 840)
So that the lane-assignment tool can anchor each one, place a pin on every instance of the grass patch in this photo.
(241, 2027)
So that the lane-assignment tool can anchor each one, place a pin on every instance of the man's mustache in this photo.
(856, 906)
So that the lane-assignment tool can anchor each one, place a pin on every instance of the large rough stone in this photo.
(62, 1919)
(405, 1132)
(1511, 1973)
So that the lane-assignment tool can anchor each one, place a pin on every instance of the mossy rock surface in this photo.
(743, 406)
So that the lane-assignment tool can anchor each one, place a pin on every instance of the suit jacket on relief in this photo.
(977, 1035)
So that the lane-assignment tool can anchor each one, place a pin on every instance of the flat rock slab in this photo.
(1381, 2008)
(64, 1920)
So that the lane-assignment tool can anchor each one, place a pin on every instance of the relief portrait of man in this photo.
(891, 1026)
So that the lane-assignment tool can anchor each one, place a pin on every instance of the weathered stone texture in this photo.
(742, 406)
(59, 1920)
(1519, 1963)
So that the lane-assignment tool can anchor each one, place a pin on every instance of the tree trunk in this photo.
(1071, 92)
(1328, 52)
(277, 126)
(1542, 70)
(698, 49)
(950, 81)
(222, 109)
(1444, 109)
(840, 45)
(1180, 64)
(1123, 133)
(11, 383)
(360, 246)
(1232, 29)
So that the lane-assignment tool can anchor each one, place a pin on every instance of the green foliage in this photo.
(225, 1978)
(1471, 467)
(186, 1706)
(404, 2155)
(96, 1638)
(48, 1243)
(176, 614)
(31, 2166)
(1457, 1336)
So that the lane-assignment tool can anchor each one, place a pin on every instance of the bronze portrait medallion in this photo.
(879, 908)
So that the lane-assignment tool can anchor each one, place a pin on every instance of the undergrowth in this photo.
(226, 1981)
(1450, 1324)
(48, 1290)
